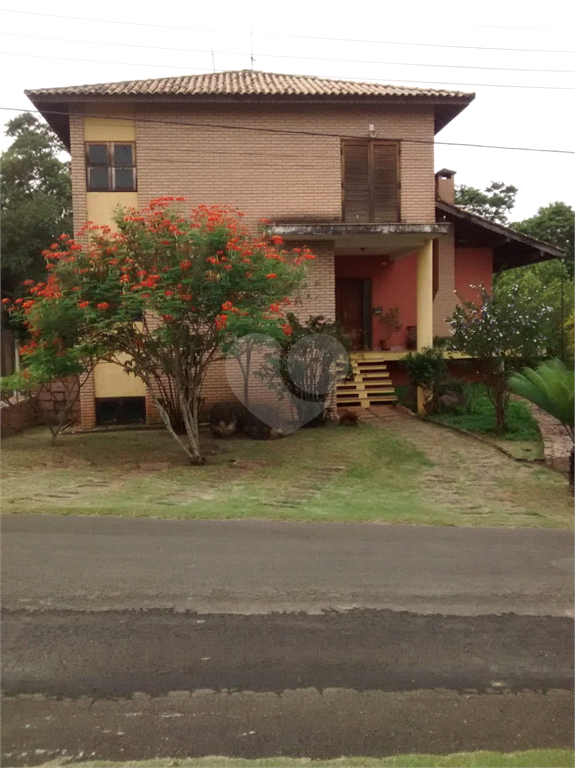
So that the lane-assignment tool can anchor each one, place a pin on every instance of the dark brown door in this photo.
(350, 309)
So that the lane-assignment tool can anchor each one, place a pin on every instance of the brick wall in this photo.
(271, 175)
(277, 175)
(21, 413)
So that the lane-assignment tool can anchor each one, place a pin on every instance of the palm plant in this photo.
(550, 386)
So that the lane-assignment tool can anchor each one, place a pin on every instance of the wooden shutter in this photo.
(370, 181)
(356, 188)
(385, 182)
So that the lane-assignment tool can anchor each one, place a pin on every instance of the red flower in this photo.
(5, 301)
(103, 305)
(221, 321)
(271, 275)
(185, 264)
(168, 293)
(167, 317)
(227, 305)
(287, 329)
(83, 304)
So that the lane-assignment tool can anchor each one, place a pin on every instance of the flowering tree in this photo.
(57, 359)
(170, 291)
(504, 334)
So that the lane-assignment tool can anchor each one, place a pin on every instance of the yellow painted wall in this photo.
(111, 381)
(101, 205)
(106, 128)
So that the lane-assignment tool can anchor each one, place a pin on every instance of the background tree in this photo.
(554, 224)
(547, 284)
(166, 289)
(504, 335)
(36, 205)
(495, 202)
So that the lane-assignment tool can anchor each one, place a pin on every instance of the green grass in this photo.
(346, 474)
(98, 473)
(479, 416)
(533, 758)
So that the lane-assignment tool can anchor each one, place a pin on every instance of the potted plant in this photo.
(389, 321)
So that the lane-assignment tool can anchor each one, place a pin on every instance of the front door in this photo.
(352, 309)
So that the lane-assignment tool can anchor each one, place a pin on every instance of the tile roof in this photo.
(246, 82)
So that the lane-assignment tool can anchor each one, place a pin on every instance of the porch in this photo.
(377, 269)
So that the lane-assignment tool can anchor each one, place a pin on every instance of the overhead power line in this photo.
(285, 56)
(363, 79)
(284, 131)
(299, 37)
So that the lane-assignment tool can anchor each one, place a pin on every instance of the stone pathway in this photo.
(466, 474)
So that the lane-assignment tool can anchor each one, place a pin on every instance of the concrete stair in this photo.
(368, 383)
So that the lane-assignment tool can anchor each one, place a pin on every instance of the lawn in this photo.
(533, 758)
(522, 437)
(337, 473)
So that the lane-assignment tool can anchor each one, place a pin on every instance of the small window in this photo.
(110, 167)
(120, 410)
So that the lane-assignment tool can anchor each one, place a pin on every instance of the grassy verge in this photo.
(346, 474)
(533, 758)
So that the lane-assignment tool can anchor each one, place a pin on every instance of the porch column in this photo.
(424, 304)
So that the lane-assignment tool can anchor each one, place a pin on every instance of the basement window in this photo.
(120, 410)
(111, 167)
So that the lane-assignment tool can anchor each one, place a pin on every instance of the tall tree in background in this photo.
(554, 224)
(495, 202)
(36, 202)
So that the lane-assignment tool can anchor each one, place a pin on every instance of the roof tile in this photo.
(245, 82)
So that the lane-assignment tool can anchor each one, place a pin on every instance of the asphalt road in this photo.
(247, 566)
(145, 638)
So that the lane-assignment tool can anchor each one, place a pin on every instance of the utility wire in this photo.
(291, 132)
(285, 56)
(364, 79)
(299, 37)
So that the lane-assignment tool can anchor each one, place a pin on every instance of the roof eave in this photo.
(499, 229)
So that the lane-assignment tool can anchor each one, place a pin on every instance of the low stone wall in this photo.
(16, 416)
(21, 414)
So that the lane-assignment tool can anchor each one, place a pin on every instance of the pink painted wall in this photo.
(473, 267)
(393, 285)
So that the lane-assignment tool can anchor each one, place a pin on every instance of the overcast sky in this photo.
(360, 41)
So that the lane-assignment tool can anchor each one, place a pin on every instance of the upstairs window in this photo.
(110, 167)
(370, 181)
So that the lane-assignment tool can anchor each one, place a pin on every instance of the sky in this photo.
(518, 57)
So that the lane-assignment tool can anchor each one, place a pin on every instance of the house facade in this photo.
(345, 168)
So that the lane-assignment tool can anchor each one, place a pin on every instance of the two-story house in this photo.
(346, 168)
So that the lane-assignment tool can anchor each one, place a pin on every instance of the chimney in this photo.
(445, 185)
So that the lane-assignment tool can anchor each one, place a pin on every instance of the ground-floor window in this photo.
(120, 410)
